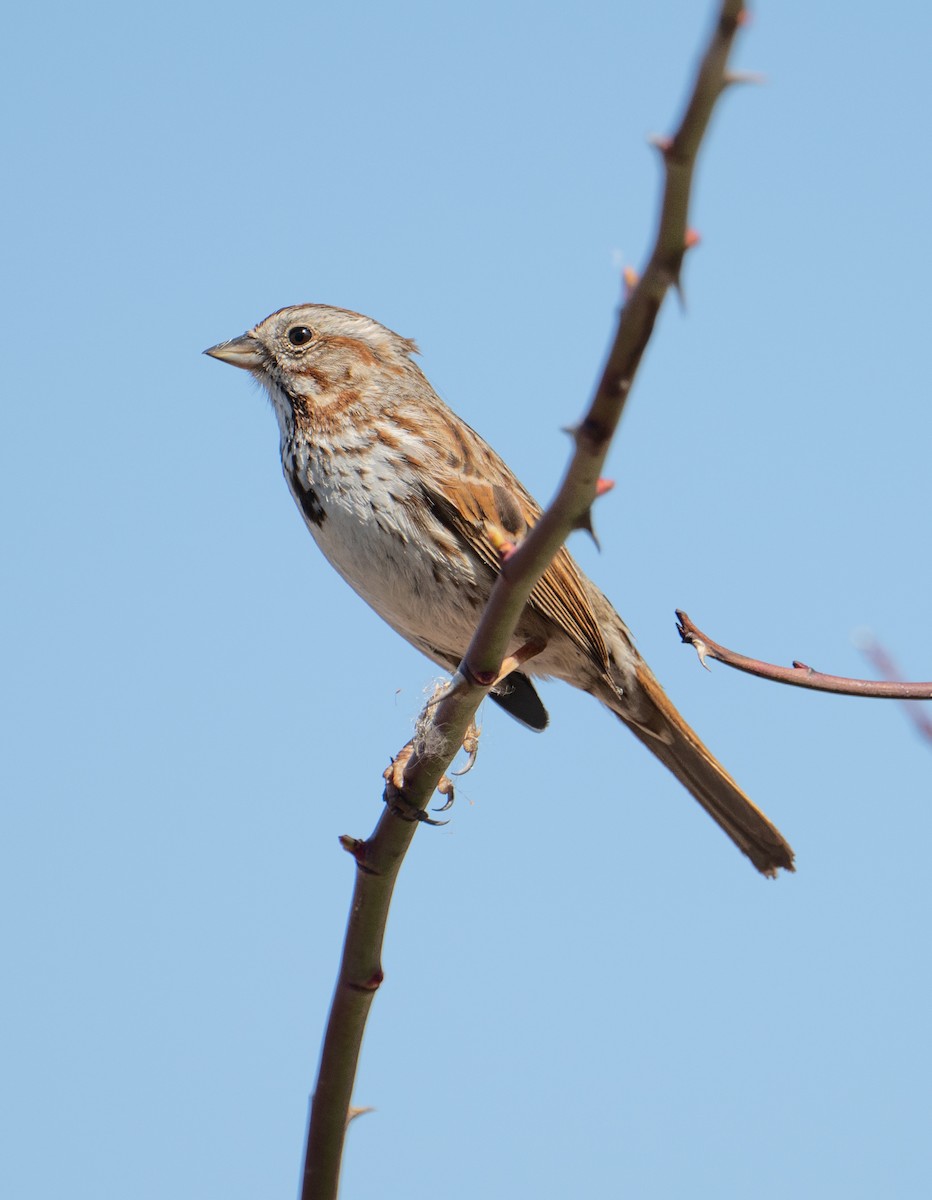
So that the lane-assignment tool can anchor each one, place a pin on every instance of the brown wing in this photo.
(467, 502)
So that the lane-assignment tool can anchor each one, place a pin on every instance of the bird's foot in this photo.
(471, 746)
(394, 797)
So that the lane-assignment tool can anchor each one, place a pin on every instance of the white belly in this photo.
(416, 579)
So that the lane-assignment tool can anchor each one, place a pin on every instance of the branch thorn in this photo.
(585, 524)
(356, 847)
(744, 77)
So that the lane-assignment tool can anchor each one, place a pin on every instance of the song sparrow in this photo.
(401, 495)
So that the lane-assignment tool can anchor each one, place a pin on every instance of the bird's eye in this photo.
(300, 335)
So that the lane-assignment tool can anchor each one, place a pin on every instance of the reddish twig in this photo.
(799, 674)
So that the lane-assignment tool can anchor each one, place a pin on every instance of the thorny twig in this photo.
(799, 674)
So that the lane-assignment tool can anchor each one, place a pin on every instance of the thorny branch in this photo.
(420, 768)
(799, 674)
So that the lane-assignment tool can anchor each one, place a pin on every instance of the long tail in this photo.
(664, 732)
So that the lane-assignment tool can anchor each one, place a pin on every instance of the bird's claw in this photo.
(445, 788)
(407, 811)
(394, 796)
(394, 776)
(471, 746)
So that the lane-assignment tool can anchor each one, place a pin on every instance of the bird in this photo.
(404, 499)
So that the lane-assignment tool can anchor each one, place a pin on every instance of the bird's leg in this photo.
(519, 658)
(511, 663)
(395, 771)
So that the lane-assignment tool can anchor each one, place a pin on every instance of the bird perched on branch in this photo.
(405, 499)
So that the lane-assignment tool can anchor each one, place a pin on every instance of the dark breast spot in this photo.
(310, 504)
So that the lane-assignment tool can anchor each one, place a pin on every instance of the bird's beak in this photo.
(245, 352)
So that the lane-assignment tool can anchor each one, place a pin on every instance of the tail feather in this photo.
(664, 732)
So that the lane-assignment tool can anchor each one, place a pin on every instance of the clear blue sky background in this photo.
(588, 991)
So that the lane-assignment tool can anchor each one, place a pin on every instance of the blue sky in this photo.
(588, 990)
